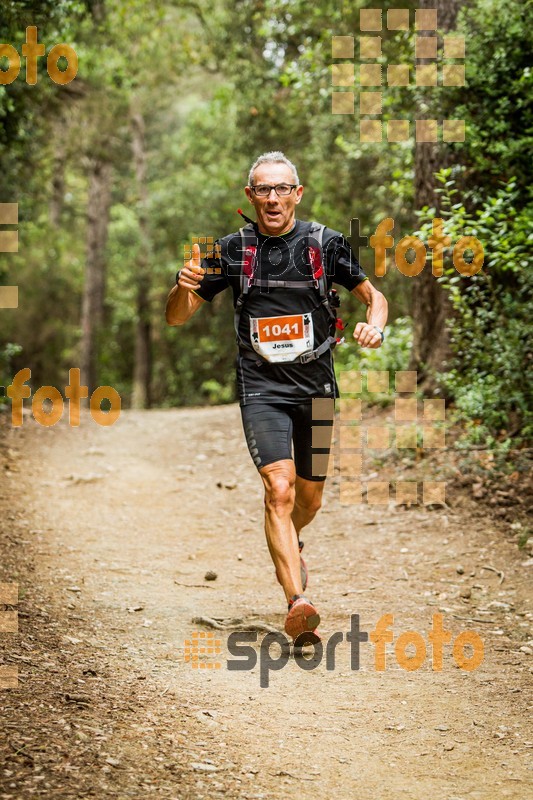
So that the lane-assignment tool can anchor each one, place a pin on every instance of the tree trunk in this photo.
(99, 201)
(142, 373)
(430, 304)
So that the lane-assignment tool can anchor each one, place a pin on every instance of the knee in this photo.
(279, 493)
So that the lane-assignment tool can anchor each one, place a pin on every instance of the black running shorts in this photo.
(273, 429)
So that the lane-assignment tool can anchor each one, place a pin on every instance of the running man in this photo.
(281, 270)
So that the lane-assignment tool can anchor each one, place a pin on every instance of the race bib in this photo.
(282, 338)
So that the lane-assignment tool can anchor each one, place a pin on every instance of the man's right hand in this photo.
(192, 273)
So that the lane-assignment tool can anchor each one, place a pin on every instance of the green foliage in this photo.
(392, 356)
(23, 108)
(7, 353)
(217, 393)
(497, 101)
(523, 537)
(218, 82)
(491, 374)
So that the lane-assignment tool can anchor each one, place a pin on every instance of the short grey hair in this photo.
(274, 157)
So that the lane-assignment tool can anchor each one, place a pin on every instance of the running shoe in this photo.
(303, 618)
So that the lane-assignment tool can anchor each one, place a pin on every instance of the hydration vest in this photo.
(317, 280)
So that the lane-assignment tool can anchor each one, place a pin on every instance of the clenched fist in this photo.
(367, 335)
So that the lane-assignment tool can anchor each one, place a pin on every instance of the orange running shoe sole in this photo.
(302, 618)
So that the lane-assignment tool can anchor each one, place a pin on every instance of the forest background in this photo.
(151, 143)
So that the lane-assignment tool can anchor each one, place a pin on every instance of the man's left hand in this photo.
(366, 335)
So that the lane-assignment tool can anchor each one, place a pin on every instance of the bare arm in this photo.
(182, 303)
(376, 314)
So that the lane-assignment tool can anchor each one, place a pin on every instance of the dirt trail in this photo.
(102, 520)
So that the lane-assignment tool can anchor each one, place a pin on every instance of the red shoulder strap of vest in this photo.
(315, 259)
(248, 260)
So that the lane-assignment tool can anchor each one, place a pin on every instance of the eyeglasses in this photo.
(282, 189)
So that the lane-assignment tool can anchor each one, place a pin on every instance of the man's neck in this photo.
(281, 233)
